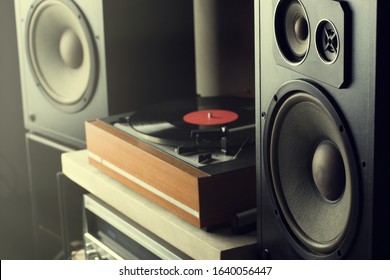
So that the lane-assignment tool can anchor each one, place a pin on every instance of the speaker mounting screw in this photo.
(32, 117)
(266, 254)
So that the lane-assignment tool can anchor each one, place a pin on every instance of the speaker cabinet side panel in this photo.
(43, 166)
(56, 201)
(382, 150)
(258, 123)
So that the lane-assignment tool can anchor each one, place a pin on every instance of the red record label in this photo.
(210, 117)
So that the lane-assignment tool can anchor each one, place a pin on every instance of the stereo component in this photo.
(320, 124)
(82, 59)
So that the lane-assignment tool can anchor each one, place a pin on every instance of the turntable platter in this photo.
(172, 123)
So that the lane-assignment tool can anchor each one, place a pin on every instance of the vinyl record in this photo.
(173, 122)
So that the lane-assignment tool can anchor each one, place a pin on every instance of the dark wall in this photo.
(15, 210)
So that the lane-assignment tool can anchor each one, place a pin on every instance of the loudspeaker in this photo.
(56, 200)
(82, 59)
(322, 157)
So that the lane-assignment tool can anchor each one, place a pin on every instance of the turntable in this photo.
(194, 157)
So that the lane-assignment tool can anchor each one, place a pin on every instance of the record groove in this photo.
(164, 123)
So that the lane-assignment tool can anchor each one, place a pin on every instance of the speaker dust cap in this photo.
(311, 170)
(292, 30)
(61, 53)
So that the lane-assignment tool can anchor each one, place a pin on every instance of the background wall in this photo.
(16, 240)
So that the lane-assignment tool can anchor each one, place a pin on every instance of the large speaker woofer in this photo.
(292, 30)
(61, 53)
(311, 170)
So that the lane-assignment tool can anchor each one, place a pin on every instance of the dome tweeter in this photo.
(327, 41)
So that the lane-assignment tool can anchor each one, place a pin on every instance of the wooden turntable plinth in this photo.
(202, 199)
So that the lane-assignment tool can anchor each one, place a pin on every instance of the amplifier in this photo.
(110, 235)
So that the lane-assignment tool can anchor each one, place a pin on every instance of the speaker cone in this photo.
(292, 30)
(311, 170)
(61, 53)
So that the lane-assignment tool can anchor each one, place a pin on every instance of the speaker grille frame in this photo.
(296, 237)
(49, 93)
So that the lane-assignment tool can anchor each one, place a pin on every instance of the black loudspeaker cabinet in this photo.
(86, 59)
(322, 116)
(56, 200)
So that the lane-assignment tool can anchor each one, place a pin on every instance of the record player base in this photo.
(202, 199)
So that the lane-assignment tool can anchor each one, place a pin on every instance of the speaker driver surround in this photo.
(292, 30)
(311, 170)
(61, 53)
